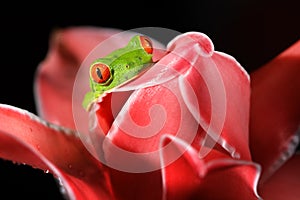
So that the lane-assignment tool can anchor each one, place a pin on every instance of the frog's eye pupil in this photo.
(146, 44)
(100, 73)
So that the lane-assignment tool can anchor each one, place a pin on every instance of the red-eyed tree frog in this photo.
(118, 67)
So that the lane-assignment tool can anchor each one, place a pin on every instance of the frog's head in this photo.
(120, 66)
(130, 59)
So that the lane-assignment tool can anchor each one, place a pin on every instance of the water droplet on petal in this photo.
(46, 171)
(70, 166)
(236, 155)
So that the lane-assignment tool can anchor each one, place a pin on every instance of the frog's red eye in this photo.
(146, 44)
(100, 73)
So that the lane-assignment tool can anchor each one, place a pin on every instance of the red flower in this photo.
(183, 135)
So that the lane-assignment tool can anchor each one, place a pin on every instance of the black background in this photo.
(252, 31)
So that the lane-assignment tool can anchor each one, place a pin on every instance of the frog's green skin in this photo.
(125, 64)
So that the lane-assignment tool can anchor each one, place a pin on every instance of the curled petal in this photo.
(25, 138)
(275, 110)
(204, 44)
(216, 90)
(237, 87)
(189, 177)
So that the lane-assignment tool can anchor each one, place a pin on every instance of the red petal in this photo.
(192, 178)
(145, 118)
(109, 108)
(131, 147)
(56, 75)
(222, 90)
(275, 110)
(285, 183)
(237, 87)
(24, 138)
